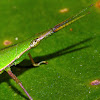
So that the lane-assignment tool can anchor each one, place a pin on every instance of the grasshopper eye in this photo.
(34, 43)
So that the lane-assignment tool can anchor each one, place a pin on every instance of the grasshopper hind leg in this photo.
(8, 70)
(36, 64)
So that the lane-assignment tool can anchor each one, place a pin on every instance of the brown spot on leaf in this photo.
(64, 10)
(97, 5)
(95, 82)
(7, 42)
(71, 29)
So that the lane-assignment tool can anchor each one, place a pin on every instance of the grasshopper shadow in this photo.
(64, 51)
(4, 77)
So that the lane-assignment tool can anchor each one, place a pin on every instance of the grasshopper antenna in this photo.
(65, 23)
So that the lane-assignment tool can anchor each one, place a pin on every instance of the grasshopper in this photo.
(15, 54)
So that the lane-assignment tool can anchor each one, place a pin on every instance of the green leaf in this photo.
(73, 56)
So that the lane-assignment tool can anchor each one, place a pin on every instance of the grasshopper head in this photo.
(34, 43)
